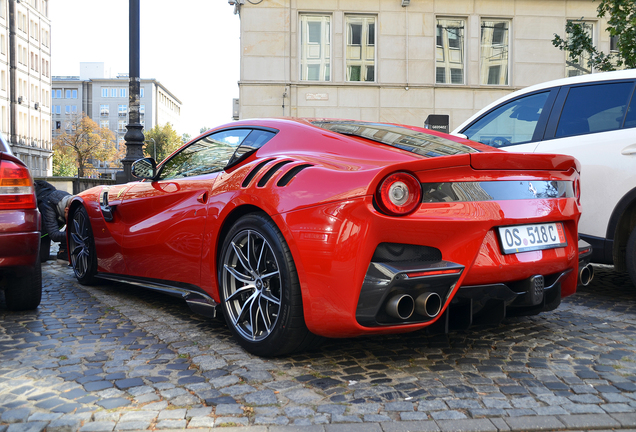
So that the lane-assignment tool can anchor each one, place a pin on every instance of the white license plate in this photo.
(523, 238)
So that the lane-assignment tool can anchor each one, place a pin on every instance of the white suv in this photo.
(593, 118)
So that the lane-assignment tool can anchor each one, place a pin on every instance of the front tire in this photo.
(82, 247)
(259, 289)
(630, 256)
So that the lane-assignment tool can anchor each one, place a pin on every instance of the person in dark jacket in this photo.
(53, 205)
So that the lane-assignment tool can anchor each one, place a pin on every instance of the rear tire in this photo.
(259, 289)
(23, 290)
(45, 248)
(81, 246)
(630, 256)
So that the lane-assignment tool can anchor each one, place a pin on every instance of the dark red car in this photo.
(20, 271)
(295, 228)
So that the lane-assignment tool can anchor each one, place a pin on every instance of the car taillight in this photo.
(399, 194)
(577, 189)
(16, 187)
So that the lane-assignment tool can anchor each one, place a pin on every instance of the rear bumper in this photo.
(19, 249)
(19, 238)
(347, 285)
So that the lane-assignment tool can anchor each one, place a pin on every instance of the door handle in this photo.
(629, 150)
(203, 198)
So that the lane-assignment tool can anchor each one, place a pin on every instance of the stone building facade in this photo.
(400, 60)
(25, 82)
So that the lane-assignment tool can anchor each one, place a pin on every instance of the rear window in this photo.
(420, 143)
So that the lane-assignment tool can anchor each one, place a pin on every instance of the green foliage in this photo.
(64, 164)
(621, 24)
(164, 138)
(204, 129)
(185, 138)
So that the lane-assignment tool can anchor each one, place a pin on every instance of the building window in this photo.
(104, 92)
(315, 47)
(495, 45)
(121, 126)
(122, 110)
(113, 92)
(3, 50)
(141, 92)
(103, 124)
(581, 65)
(71, 94)
(142, 110)
(3, 80)
(449, 52)
(104, 110)
(57, 109)
(122, 92)
(360, 48)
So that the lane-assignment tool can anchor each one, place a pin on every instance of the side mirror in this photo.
(145, 168)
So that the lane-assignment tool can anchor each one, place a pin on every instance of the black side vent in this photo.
(396, 252)
(255, 171)
(289, 175)
(268, 175)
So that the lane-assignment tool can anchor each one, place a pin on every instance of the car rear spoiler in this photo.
(523, 161)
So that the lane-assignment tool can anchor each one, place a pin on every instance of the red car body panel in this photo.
(19, 237)
(170, 230)
(19, 229)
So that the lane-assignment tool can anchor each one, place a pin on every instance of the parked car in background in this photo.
(20, 271)
(296, 228)
(590, 117)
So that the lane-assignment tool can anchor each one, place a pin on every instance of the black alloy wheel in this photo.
(82, 247)
(259, 289)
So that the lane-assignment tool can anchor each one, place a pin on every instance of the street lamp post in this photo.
(134, 136)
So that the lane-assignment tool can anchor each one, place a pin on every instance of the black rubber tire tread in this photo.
(630, 256)
(294, 335)
(89, 277)
(45, 249)
(23, 290)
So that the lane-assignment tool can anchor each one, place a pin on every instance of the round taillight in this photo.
(399, 194)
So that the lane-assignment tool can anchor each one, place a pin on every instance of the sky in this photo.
(190, 46)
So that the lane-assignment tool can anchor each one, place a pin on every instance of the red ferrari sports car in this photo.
(295, 228)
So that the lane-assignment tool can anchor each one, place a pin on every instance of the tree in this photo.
(204, 129)
(185, 138)
(86, 142)
(164, 138)
(64, 163)
(621, 24)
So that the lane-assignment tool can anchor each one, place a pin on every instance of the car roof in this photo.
(580, 79)
(4, 147)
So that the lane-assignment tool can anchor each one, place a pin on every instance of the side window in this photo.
(594, 108)
(511, 123)
(207, 155)
(251, 143)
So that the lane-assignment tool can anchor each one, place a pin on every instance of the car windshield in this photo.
(420, 143)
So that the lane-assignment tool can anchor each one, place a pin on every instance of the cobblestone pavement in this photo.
(117, 357)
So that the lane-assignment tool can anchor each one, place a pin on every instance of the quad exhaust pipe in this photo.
(586, 274)
(402, 306)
